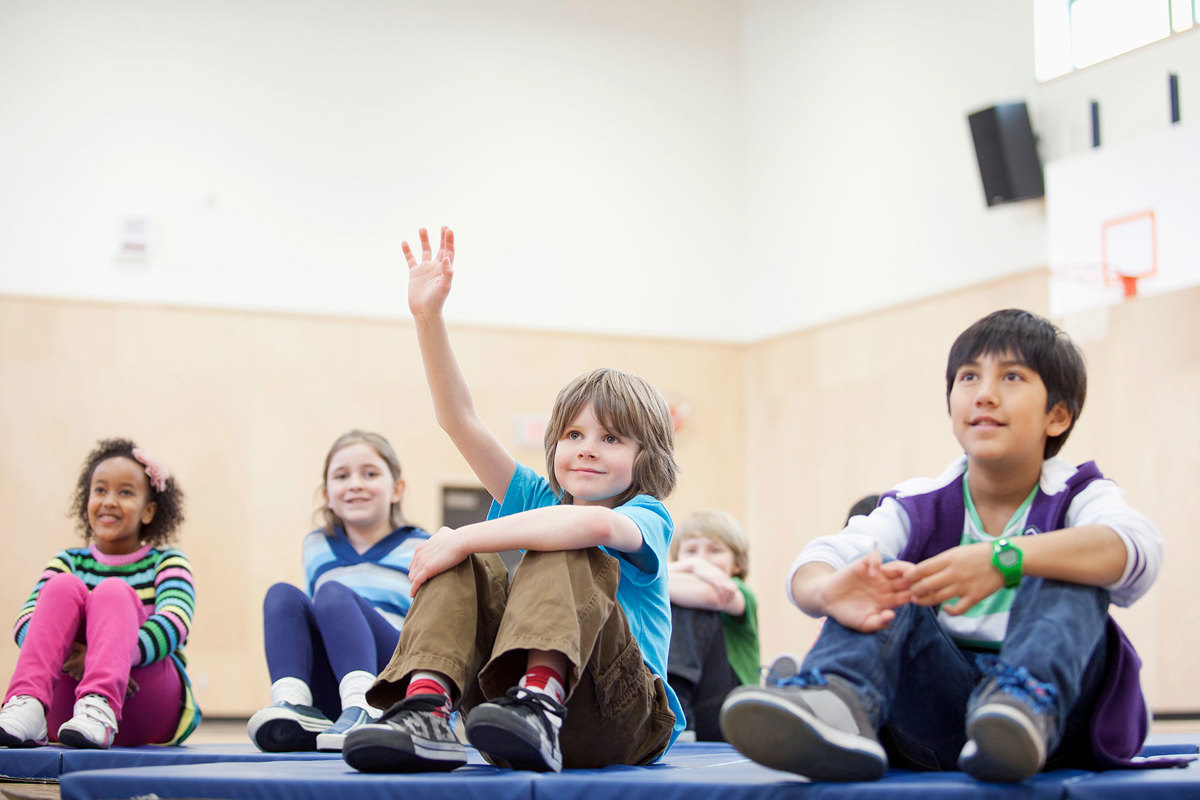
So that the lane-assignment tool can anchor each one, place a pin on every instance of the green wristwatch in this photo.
(1006, 557)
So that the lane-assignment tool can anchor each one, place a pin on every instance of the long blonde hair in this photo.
(329, 521)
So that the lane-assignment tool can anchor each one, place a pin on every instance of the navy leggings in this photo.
(322, 640)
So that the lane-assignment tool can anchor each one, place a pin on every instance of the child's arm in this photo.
(695, 583)
(428, 286)
(548, 528)
(60, 563)
(860, 595)
(1092, 555)
(165, 630)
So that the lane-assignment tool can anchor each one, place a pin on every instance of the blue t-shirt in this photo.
(642, 590)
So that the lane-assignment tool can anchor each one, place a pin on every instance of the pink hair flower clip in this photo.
(157, 470)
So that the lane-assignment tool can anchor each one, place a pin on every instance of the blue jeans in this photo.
(323, 639)
(917, 685)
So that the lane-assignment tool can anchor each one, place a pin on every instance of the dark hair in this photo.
(864, 505)
(168, 514)
(1040, 345)
(628, 406)
(329, 521)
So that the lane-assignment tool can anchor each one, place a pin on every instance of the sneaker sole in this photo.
(73, 738)
(330, 742)
(284, 736)
(378, 748)
(8, 740)
(780, 735)
(1007, 746)
(494, 738)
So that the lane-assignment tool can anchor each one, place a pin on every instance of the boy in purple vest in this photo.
(967, 616)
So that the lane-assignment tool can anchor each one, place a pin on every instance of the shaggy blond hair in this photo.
(628, 406)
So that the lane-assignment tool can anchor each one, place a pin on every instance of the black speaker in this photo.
(1007, 153)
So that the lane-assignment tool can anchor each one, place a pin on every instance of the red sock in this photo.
(430, 686)
(545, 680)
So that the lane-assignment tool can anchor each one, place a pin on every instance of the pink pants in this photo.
(107, 618)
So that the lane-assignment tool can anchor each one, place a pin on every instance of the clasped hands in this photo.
(865, 594)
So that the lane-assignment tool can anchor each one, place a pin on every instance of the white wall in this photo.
(703, 169)
(586, 153)
(864, 189)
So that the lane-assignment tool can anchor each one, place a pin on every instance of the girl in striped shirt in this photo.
(103, 630)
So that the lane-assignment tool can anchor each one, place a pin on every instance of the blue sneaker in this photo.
(331, 739)
(807, 724)
(286, 728)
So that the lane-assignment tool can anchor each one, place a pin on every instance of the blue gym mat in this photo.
(48, 763)
(687, 770)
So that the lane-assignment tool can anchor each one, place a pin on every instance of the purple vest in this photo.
(1120, 719)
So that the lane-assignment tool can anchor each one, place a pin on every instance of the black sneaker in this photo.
(807, 724)
(520, 730)
(1008, 727)
(286, 728)
(409, 737)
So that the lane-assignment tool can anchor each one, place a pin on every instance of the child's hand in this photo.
(434, 556)
(862, 595)
(965, 572)
(73, 666)
(429, 280)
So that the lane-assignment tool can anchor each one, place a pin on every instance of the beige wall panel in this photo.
(243, 406)
(786, 434)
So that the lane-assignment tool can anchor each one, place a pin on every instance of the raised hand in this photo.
(429, 279)
(862, 596)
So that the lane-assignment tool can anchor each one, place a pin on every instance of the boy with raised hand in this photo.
(968, 614)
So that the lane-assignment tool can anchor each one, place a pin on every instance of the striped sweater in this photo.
(162, 579)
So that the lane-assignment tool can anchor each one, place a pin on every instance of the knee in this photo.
(283, 598)
(332, 593)
(114, 587)
(65, 584)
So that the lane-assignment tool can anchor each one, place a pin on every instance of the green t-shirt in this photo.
(741, 638)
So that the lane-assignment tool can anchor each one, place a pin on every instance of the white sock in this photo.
(353, 691)
(291, 690)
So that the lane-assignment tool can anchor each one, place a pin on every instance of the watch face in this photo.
(1007, 558)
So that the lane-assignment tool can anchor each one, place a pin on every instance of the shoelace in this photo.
(803, 680)
(1017, 682)
(418, 702)
(540, 704)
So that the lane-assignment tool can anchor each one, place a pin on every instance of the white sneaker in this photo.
(94, 724)
(22, 722)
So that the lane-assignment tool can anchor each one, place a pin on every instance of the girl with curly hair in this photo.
(102, 632)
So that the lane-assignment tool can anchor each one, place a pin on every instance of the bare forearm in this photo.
(806, 587)
(455, 410)
(692, 591)
(1091, 555)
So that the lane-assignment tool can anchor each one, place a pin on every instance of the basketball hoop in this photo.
(1129, 284)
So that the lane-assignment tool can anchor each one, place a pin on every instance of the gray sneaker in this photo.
(808, 724)
(411, 736)
(1008, 727)
(520, 730)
